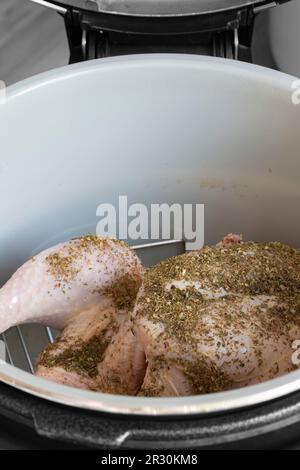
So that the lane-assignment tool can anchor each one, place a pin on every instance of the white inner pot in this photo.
(157, 128)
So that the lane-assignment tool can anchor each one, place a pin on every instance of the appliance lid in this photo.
(169, 8)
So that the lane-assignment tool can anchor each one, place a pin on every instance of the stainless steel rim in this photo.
(217, 402)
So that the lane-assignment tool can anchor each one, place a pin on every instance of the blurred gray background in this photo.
(32, 40)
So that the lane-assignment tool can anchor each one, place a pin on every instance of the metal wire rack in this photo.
(23, 344)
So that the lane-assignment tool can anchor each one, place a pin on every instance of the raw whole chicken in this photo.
(220, 318)
(211, 320)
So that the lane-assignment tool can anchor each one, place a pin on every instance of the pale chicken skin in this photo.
(61, 282)
(220, 318)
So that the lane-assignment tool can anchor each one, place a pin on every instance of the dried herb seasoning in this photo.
(82, 357)
(62, 264)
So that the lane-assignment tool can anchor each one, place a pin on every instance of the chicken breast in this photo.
(70, 278)
(220, 318)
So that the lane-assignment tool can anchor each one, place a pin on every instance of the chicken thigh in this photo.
(220, 318)
(98, 351)
(84, 287)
